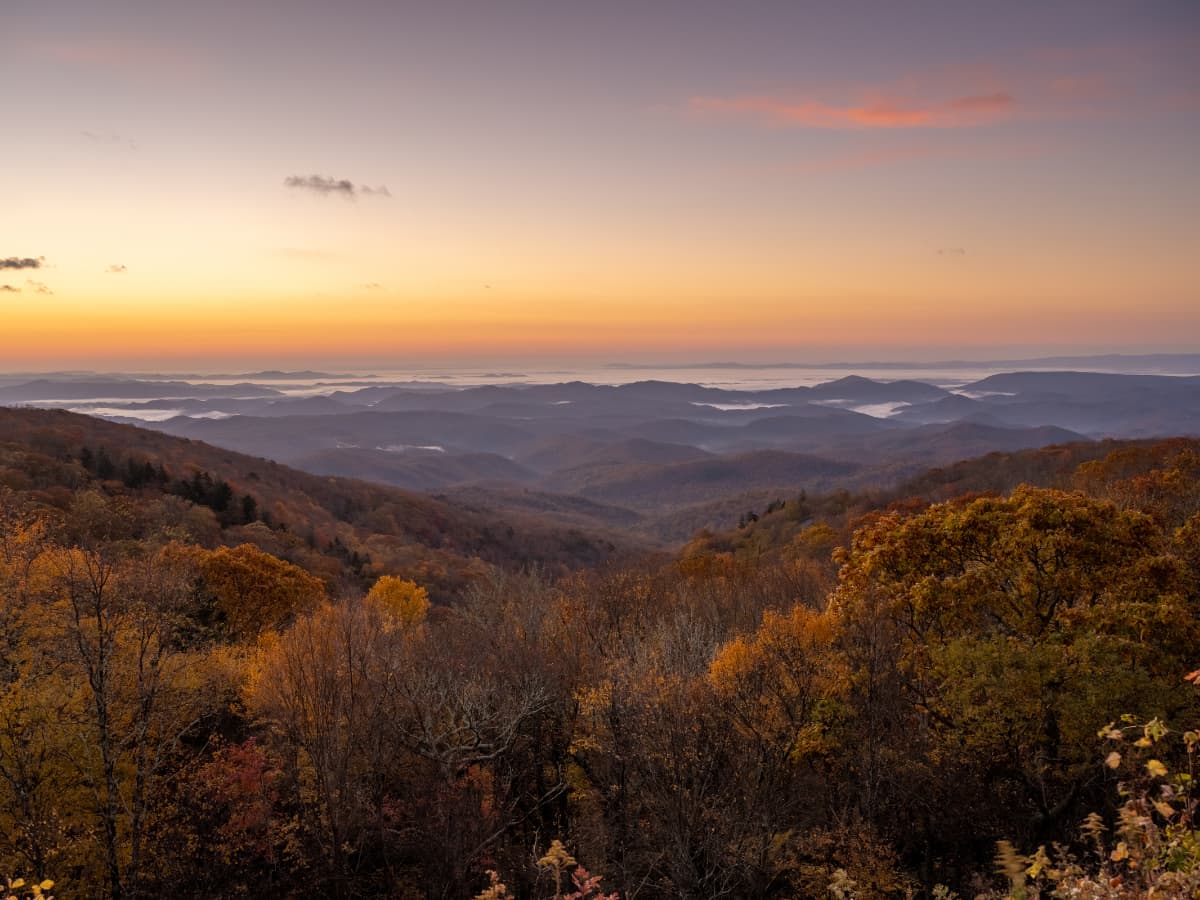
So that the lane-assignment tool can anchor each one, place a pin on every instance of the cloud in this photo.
(9, 289)
(952, 251)
(1038, 84)
(320, 184)
(129, 57)
(39, 287)
(371, 286)
(325, 185)
(16, 262)
(113, 138)
(117, 269)
(872, 109)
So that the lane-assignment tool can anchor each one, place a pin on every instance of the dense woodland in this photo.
(221, 677)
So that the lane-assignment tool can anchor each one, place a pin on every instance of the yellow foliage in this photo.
(36, 891)
(779, 684)
(406, 601)
(255, 590)
(816, 540)
(496, 889)
(557, 857)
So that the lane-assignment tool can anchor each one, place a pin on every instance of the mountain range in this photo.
(644, 453)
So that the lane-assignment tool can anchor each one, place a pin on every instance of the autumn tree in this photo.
(115, 691)
(255, 590)
(986, 638)
(407, 601)
(323, 684)
(29, 827)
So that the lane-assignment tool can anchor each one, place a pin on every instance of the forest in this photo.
(219, 677)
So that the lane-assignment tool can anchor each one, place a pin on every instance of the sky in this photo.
(388, 183)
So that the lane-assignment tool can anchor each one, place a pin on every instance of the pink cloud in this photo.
(121, 55)
(872, 110)
(1041, 84)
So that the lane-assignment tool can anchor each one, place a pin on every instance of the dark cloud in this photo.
(320, 184)
(39, 287)
(16, 262)
(9, 289)
(324, 185)
(952, 251)
(116, 269)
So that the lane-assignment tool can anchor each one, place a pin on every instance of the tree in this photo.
(407, 601)
(987, 636)
(249, 509)
(782, 686)
(255, 590)
(327, 685)
(125, 688)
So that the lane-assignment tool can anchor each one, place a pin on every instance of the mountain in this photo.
(415, 469)
(306, 406)
(951, 408)
(289, 438)
(566, 510)
(321, 523)
(654, 486)
(600, 449)
(1084, 385)
(854, 389)
(642, 448)
(942, 443)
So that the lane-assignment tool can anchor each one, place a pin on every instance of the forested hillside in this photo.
(849, 695)
(144, 484)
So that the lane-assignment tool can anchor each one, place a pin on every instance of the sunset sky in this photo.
(369, 182)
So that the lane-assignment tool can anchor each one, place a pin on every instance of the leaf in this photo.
(1113, 760)
(1121, 852)
(1155, 768)
(1039, 864)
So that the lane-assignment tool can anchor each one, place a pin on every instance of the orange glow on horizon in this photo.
(324, 328)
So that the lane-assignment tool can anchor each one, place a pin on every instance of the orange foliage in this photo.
(256, 591)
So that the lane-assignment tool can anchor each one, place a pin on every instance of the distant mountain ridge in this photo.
(650, 447)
